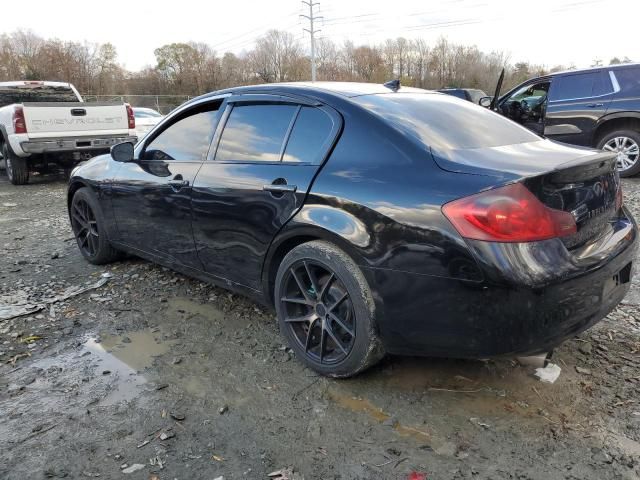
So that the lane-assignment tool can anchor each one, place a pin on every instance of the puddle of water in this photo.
(137, 354)
(127, 384)
(123, 361)
(189, 306)
(362, 405)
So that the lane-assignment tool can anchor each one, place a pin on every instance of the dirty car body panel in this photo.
(378, 185)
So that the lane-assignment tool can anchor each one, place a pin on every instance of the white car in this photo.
(146, 119)
(43, 123)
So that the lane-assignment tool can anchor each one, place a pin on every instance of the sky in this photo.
(546, 32)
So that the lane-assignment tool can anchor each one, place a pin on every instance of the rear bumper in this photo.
(78, 144)
(533, 297)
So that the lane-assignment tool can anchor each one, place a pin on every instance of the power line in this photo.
(312, 31)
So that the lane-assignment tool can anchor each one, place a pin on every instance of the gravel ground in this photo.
(166, 377)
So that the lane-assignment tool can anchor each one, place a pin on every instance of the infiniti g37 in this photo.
(372, 218)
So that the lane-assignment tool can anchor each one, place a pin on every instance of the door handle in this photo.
(178, 183)
(594, 105)
(280, 188)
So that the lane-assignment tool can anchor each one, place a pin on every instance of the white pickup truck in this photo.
(44, 123)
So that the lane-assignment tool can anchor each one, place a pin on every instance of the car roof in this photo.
(342, 89)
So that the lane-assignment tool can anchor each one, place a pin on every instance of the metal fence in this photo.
(162, 103)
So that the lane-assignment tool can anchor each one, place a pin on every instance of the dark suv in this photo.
(597, 107)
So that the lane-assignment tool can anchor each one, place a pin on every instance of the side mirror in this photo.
(122, 152)
(485, 102)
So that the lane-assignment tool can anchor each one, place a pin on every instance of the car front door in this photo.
(151, 196)
(260, 168)
(576, 102)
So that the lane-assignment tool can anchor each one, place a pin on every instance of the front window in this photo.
(188, 139)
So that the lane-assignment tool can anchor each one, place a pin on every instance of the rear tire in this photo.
(326, 310)
(626, 143)
(89, 228)
(16, 167)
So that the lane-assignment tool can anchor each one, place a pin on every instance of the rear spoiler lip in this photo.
(445, 160)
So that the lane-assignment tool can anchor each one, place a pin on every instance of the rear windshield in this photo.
(444, 123)
(35, 93)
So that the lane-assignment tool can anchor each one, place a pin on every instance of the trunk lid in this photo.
(583, 182)
(73, 119)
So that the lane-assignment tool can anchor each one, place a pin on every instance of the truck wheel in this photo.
(626, 144)
(16, 167)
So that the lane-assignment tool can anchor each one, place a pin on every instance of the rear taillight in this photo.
(131, 117)
(19, 123)
(508, 214)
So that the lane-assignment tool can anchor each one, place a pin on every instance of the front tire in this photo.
(89, 229)
(16, 167)
(626, 144)
(326, 310)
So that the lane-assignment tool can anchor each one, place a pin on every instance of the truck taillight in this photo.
(508, 214)
(19, 123)
(131, 117)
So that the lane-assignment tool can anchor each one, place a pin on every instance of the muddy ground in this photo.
(180, 380)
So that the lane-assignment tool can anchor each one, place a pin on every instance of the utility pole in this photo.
(312, 31)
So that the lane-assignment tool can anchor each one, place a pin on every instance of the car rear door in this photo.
(260, 168)
(151, 196)
(576, 102)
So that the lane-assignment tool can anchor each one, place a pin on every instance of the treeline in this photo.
(194, 68)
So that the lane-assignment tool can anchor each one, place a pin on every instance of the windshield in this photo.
(442, 122)
(35, 93)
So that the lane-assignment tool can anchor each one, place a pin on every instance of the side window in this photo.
(534, 91)
(187, 140)
(581, 85)
(309, 134)
(629, 79)
(255, 133)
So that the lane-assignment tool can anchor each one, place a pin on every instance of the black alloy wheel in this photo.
(85, 227)
(326, 310)
(87, 224)
(318, 311)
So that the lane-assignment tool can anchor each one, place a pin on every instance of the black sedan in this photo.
(373, 218)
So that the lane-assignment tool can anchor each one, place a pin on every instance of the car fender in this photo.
(317, 222)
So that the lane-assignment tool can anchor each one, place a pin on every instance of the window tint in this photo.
(310, 132)
(441, 122)
(583, 85)
(255, 132)
(187, 139)
(629, 79)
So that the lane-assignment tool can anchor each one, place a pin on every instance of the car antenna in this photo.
(393, 84)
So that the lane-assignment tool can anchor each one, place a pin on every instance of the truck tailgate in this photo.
(75, 119)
